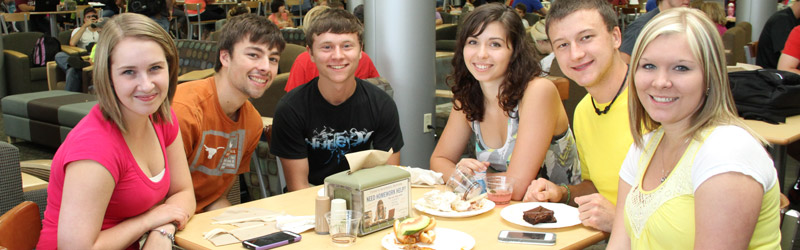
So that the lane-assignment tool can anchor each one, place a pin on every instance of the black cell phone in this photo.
(538, 238)
(272, 240)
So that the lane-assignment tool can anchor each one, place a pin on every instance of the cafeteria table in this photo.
(484, 228)
(780, 135)
(51, 16)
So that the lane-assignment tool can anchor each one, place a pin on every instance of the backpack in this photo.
(45, 50)
(768, 95)
(146, 7)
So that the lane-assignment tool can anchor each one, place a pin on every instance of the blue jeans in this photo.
(74, 82)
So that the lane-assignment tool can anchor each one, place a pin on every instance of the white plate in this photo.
(445, 239)
(487, 205)
(565, 215)
(321, 192)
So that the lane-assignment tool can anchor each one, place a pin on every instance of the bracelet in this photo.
(569, 193)
(170, 236)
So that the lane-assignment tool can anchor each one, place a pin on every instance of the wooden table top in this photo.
(484, 227)
(52, 12)
(30, 183)
(781, 134)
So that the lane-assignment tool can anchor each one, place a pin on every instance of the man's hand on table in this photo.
(596, 211)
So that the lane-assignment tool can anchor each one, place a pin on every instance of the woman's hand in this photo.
(473, 164)
(156, 240)
(166, 214)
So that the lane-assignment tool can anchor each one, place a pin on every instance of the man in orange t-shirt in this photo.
(219, 126)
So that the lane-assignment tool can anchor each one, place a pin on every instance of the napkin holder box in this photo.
(382, 194)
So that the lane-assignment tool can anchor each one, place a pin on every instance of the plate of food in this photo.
(448, 204)
(541, 215)
(421, 233)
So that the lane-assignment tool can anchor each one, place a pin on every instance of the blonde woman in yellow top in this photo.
(700, 179)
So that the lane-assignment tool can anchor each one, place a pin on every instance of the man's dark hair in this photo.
(259, 29)
(89, 10)
(359, 13)
(563, 8)
(336, 21)
(522, 7)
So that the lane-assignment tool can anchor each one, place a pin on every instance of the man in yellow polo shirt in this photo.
(586, 38)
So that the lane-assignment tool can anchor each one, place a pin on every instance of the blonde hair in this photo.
(311, 14)
(705, 44)
(714, 11)
(115, 30)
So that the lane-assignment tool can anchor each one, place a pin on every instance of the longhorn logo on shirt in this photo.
(212, 151)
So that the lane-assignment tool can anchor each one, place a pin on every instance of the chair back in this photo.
(288, 56)
(748, 30)
(14, 17)
(734, 40)
(447, 17)
(294, 36)
(750, 52)
(10, 178)
(64, 37)
(192, 6)
(20, 227)
(196, 55)
(22, 42)
(269, 100)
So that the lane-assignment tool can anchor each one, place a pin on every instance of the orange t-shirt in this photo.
(217, 147)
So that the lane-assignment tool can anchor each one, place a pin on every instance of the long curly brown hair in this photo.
(522, 68)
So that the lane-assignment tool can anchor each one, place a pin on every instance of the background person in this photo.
(700, 175)
(520, 126)
(717, 14)
(280, 16)
(81, 37)
(773, 36)
(790, 57)
(304, 69)
(122, 172)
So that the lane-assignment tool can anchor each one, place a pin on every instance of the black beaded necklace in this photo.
(605, 110)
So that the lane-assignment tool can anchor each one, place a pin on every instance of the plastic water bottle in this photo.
(731, 9)
(480, 178)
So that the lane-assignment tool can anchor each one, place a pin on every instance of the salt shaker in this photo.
(322, 206)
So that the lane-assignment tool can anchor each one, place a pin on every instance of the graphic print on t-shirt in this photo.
(337, 143)
(220, 154)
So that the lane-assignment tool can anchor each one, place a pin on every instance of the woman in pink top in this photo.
(280, 16)
(716, 13)
(121, 174)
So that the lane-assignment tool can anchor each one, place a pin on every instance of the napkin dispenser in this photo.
(382, 194)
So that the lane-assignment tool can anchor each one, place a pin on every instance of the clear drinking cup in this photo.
(343, 226)
(500, 189)
(463, 182)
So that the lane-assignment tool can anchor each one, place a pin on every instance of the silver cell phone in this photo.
(272, 240)
(526, 237)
